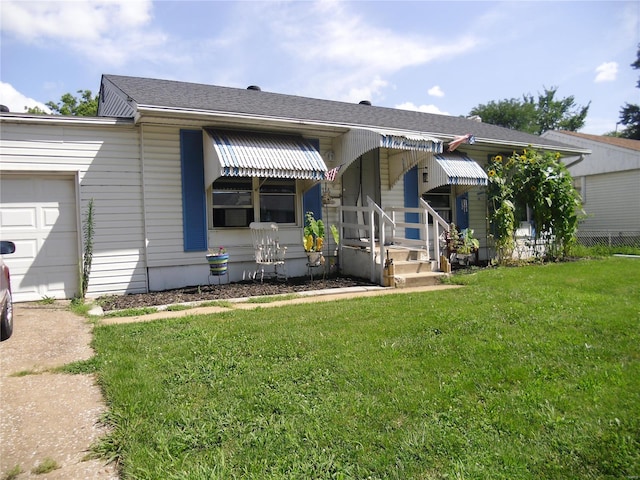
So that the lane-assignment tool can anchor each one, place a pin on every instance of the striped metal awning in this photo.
(454, 169)
(406, 149)
(248, 154)
(358, 141)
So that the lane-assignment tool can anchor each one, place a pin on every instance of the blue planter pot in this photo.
(218, 264)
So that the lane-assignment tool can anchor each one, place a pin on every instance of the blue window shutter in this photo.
(312, 199)
(411, 201)
(194, 201)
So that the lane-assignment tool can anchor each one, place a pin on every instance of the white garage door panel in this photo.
(17, 218)
(38, 213)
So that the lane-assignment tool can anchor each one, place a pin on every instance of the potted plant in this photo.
(462, 246)
(467, 246)
(313, 239)
(218, 261)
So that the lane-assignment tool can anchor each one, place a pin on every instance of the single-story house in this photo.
(609, 182)
(175, 169)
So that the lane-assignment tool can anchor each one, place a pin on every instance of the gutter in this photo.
(63, 120)
(341, 127)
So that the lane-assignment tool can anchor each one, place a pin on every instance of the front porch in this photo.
(379, 246)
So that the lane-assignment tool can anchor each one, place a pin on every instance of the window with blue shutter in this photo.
(194, 201)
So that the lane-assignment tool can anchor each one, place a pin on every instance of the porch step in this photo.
(412, 268)
(404, 254)
(418, 279)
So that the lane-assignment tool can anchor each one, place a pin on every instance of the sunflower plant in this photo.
(541, 181)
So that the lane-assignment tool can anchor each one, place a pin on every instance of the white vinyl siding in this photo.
(105, 160)
(478, 217)
(608, 211)
(163, 198)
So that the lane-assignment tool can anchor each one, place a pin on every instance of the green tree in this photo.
(532, 115)
(84, 106)
(510, 113)
(630, 113)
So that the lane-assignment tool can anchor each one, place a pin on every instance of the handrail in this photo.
(437, 220)
(384, 220)
(387, 219)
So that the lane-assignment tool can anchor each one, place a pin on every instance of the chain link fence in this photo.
(609, 238)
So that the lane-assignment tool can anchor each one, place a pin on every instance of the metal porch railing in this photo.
(382, 227)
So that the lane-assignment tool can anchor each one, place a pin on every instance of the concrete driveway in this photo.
(45, 415)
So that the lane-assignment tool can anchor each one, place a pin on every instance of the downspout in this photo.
(576, 161)
(144, 210)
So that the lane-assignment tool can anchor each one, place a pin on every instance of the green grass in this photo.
(526, 373)
(46, 300)
(217, 303)
(597, 251)
(274, 298)
(131, 312)
(13, 473)
(179, 308)
(48, 465)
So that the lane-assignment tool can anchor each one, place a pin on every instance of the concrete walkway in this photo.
(329, 295)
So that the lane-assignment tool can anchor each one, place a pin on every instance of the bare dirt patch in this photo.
(43, 414)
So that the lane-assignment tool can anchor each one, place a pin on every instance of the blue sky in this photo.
(440, 57)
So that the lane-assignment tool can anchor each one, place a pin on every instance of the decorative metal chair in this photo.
(267, 249)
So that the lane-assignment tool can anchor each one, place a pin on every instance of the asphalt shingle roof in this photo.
(617, 141)
(147, 92)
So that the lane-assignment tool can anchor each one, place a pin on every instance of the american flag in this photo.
(455, 143)
(331, 174)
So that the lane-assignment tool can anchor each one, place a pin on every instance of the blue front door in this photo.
(462, 211)
(411, 201)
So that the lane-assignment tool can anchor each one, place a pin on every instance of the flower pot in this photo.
(218, 264)
(315, 258)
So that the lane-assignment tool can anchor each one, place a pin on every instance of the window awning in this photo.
(245, 154)
(407, 149)
(454, 169)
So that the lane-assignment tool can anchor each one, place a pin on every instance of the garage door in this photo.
(38, 213)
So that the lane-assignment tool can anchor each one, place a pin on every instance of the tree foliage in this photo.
(84, 106)
(541, 181)
(630, 113)
(534, 115)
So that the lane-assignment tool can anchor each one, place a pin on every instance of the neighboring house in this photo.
(175, 168)
(609, 182)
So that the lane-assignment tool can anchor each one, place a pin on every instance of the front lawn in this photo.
(525, 373)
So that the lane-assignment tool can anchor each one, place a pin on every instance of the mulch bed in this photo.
(226, 291)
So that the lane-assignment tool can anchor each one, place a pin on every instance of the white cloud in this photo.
(340, 51)
(366, 92)
(421, 108)
(600, 125)
(16, 101)
(78, 20)
(606, 72)
(343, 38)
(435, 91)
(108, 32)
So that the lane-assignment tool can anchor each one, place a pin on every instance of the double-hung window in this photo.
(232, 202)
(238, 201)
(440, 200)
(277, 200)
